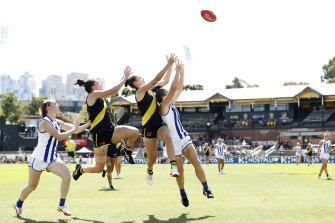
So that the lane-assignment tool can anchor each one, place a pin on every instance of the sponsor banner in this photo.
(228, 160)
(80, 142)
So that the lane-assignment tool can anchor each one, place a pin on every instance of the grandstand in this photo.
(254, 114)
(260, 116)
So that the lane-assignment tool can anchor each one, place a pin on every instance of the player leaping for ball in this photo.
(153, 126)
(180, 139)
(103, 131)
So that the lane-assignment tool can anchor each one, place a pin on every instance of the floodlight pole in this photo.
(188, 57)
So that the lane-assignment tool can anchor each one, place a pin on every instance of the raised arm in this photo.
(107, 93)
(46, 126)
(180, 85)
(68, 126)
(141, 91)
(165, 79)
(164, 107)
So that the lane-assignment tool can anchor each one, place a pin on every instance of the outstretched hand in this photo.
(171, 59)
(127, 72)
(77, 123)
(179, 65)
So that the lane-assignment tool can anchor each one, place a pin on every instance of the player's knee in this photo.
(32, 187)
(99, 168)
(66, 177)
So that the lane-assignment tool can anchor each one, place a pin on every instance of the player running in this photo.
(323, 153)
(45, 158)
(297, 149)
(219, 150)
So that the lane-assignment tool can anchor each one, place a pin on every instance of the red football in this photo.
(208, 15)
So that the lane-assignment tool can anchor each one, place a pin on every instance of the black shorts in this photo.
(309, 154)
(102, 138)
(151, 132)
(72, 154)
(113, 152)
(206, 154)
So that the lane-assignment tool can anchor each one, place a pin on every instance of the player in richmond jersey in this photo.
(207, 152)
(103, 131)
(153, 127)
(219, 150)
(180, 139)
(112, 158)
(323, 154)
(45, 155)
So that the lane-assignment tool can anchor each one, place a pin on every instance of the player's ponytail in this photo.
(87, 84)
(130, 82)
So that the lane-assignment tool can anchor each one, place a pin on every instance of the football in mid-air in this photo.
(208, 15)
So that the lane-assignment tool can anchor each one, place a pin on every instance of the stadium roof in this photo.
(239, 94)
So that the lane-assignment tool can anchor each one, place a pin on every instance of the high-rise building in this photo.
(4, 31)
(74, 91)
(43, 89)
(102, 81)
(26, 87)
(55, 87)
(8, 84)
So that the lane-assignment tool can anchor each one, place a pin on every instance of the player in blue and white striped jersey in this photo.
(180, 139)
(219, 150)
(45, 155)
(323, 153)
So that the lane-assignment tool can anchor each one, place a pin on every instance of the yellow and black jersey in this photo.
(309, 150)
(150, 110)
(99, 116)
(206, 151)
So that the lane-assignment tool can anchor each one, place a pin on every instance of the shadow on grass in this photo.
(27, 220)
(107, 189)
(181, 218)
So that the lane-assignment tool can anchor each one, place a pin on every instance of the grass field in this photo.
(245, 193)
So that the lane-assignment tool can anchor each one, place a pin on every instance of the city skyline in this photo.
(262, 42)
(53, 86)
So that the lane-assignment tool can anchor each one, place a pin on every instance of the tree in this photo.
(236, 84)
(113, 97)
(83, 112)
(329, 72)
(127, 92)
(11, 107)
(252, 85)
(32, 107)
(194, 87)
(295, 83)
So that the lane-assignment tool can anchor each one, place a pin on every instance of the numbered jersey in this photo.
(219, 149)
(325, 146)
(46, 149)
(172, 119)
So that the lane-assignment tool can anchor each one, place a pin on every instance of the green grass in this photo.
(245, 193)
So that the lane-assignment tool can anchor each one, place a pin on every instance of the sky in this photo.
(260, 41)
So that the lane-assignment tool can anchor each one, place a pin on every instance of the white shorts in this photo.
(324, 156)
(180, 145)
(40, 165)
(297, 154)
(219, 157)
